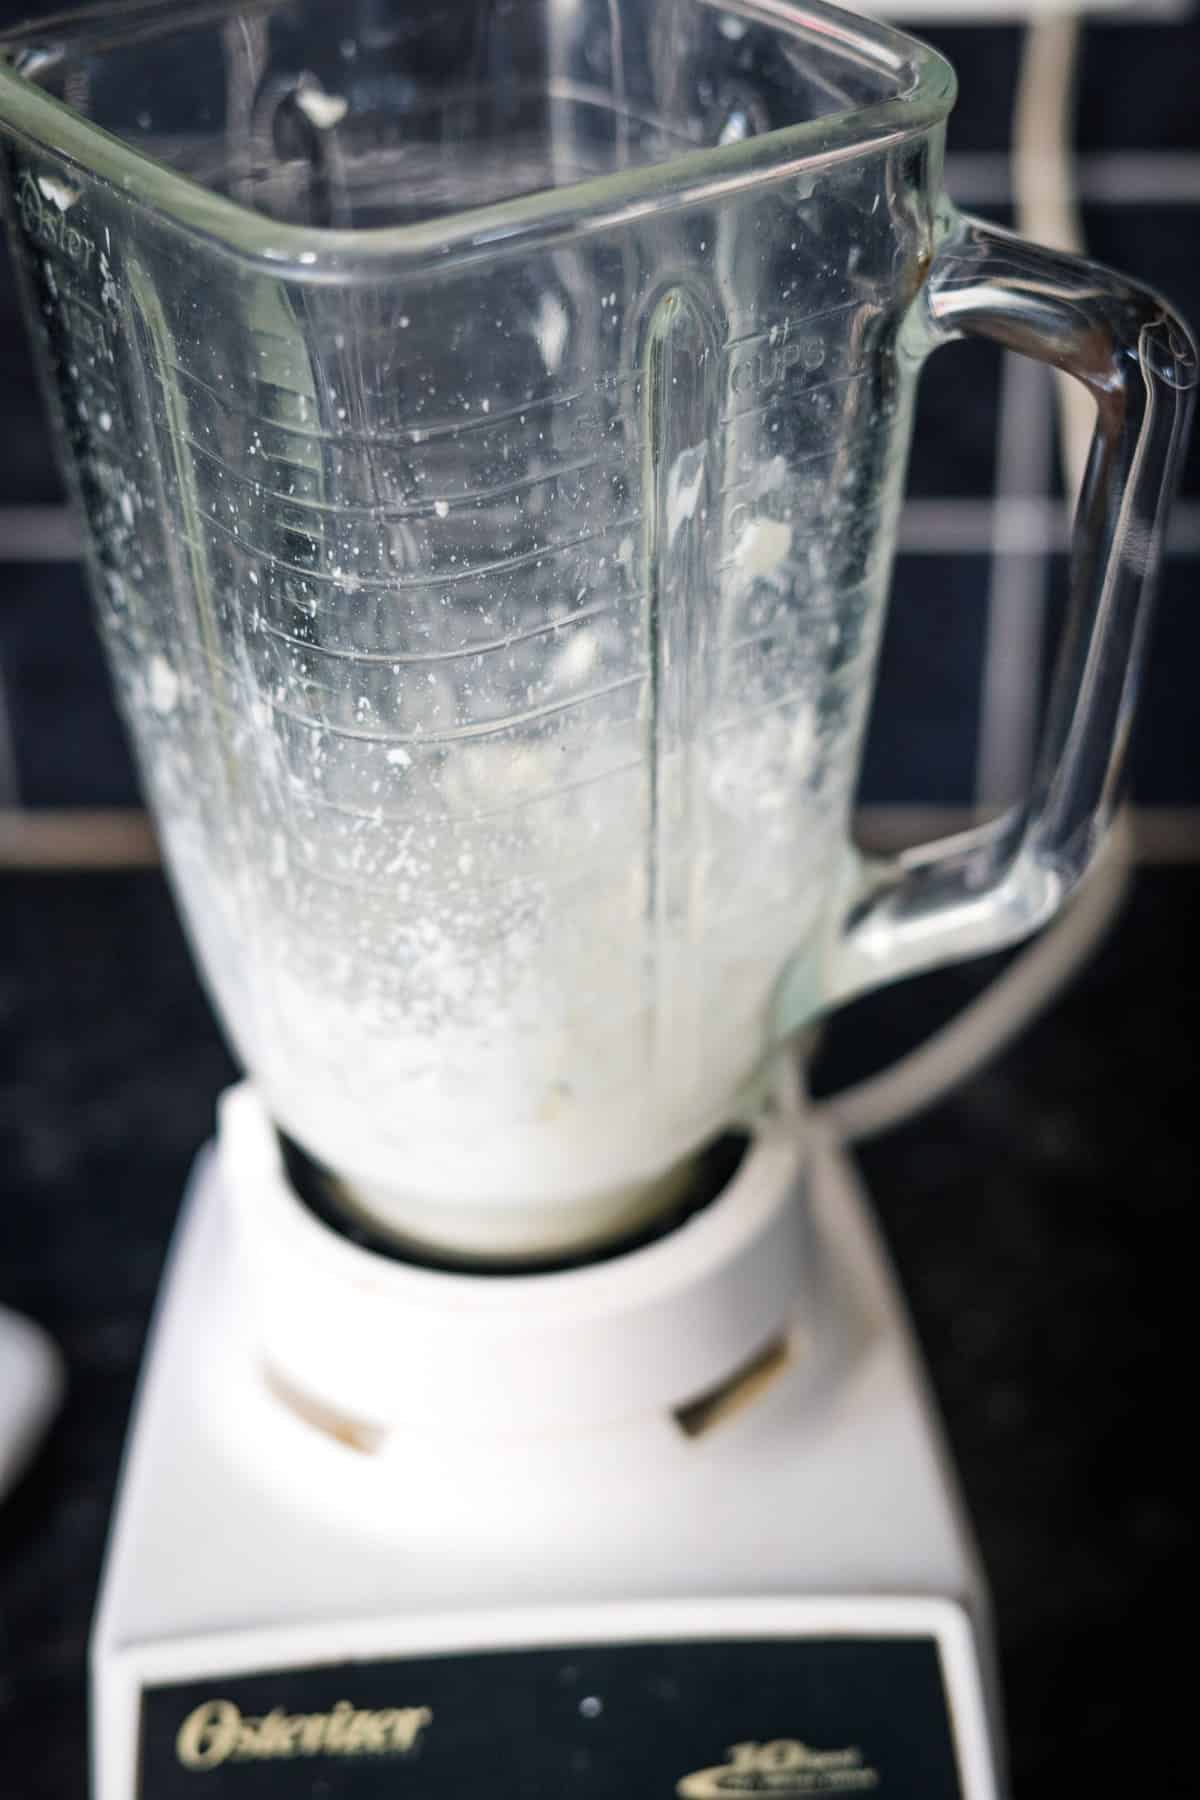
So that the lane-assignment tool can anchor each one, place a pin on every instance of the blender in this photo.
(490, 426)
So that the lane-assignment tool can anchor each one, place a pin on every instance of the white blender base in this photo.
(787, 1601)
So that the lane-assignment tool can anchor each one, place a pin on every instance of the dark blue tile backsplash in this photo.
(921, 741)
(28, 472)
(69, 746)
(1136, 101)
(954, 444)
(1137, 87)
(986, 59)
(1167, 740)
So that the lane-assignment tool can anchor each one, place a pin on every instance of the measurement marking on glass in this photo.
(623, 455)
(440, 427)
(539, 795)
(382, 815)
(754, 477)
(456, 734)
(783, 633)
(789, 327)
(388, 584)
(539, 878)
(790, 397)
(399, 659)
(805, 696)
(406, 435)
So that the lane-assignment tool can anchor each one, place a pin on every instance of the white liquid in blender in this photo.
(496, 927)
(495, 1029)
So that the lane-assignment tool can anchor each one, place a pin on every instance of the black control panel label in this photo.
(662, 1721)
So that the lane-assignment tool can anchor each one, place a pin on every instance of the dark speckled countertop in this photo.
(1037, 1218)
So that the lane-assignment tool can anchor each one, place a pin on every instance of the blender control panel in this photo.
(788, 1717)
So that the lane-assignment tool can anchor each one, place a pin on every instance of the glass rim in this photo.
(595, 203)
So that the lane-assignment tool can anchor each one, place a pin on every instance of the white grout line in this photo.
(76, 838)
(36, 534)
(1166, 834)
(1039, 524)
(1017, 589)
(97, 838)
(928, 15)
(968, 527)
(1161, 834)
(928, 527)
(1105, 178)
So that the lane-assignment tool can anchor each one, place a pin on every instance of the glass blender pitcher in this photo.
(491, 426)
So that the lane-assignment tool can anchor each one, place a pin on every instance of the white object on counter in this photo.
(31, 1386)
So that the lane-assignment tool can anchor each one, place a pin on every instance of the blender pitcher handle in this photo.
(992, 885)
